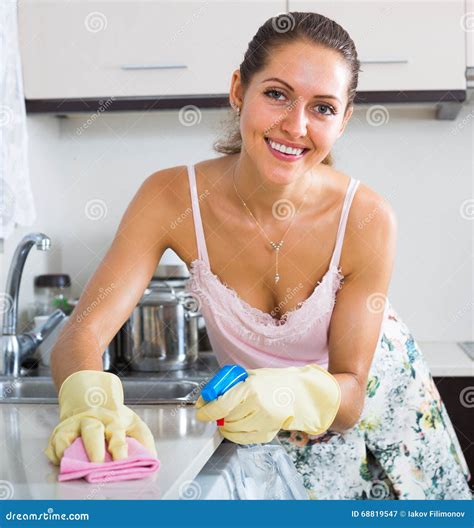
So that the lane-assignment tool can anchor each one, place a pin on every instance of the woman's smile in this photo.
(284, 153)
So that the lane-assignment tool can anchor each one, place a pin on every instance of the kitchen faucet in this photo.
(15, 347)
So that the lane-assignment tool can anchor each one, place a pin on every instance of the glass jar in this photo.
(52, 291)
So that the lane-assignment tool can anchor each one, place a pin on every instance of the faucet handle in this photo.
(52, 322)
(30, 341)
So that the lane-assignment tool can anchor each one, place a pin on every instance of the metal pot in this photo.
(162, 331)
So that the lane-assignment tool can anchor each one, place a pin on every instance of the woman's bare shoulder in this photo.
(371, 221)
(175, 179)
(366, 202)
(169, 187)
(166, 178)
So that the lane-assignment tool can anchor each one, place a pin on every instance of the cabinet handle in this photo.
(470, 76)
(152, 66)
(384, 61)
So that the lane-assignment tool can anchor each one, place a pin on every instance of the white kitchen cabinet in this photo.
(98, 49)
(403, 45)
(467, 24)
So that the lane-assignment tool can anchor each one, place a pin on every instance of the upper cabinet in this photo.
(402, 45)
(120, 48)
(468, 22)
(166, 53)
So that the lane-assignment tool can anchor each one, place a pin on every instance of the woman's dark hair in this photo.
(276, 32)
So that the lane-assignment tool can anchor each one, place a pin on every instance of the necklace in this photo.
(275, 245)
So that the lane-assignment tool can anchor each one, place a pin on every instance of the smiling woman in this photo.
(290, 263)
(389, 435)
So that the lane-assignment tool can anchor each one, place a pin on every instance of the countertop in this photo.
(183, 444)
(446, 359)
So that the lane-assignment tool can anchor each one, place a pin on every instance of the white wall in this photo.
(422, 165)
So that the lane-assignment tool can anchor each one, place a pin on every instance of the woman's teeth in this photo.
(284, 149)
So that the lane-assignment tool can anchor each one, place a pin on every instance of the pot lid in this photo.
(162, 292)
(171, 271)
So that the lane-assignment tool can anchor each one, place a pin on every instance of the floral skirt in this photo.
(403, 446)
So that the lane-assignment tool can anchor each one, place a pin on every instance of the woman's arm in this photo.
(119, 281)
(357, 317)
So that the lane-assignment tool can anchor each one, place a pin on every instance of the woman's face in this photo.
(299, 98)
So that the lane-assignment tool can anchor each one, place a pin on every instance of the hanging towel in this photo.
(16, 198)
(75, 464)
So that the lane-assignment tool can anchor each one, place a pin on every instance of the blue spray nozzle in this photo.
(226, 378)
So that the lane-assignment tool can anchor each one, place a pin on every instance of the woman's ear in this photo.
(235, 92)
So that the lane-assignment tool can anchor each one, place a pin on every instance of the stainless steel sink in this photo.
(136, 390)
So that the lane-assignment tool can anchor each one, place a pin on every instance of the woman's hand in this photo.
(295, 398)
(91, 406)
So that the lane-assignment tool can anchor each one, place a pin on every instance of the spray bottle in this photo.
(266, 471)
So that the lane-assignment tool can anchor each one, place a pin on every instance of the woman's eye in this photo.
(269, 92)
(331, 110)
(275, 94)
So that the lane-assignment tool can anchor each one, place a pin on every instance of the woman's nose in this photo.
(295, 121)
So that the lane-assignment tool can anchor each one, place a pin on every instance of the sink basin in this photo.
(136, 390)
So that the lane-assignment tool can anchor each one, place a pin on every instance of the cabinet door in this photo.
(135, 48)
(403, 45)
(467, 24)
(455, 395)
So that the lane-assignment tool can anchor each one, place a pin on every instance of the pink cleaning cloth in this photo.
(75, 464)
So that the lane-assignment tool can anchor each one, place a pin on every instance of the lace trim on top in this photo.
(227, 306)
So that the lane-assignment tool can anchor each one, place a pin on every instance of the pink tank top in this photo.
(240, 333)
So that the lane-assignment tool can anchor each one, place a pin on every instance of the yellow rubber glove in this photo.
(91, 406)
(295, 399)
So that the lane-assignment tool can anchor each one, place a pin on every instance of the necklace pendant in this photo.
(277, 278)
(277, 246)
